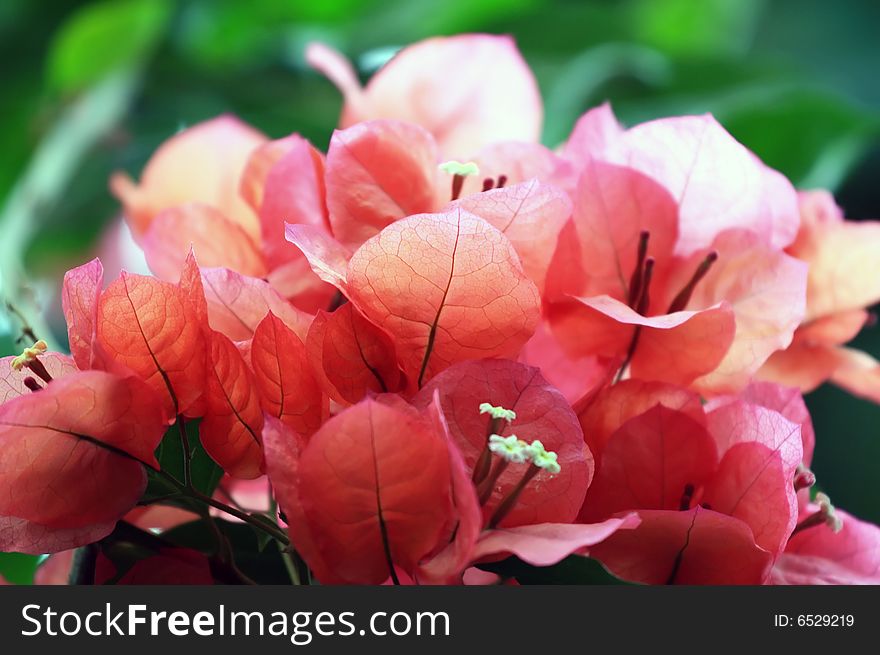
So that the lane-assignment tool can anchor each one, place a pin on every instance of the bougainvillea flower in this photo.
(632, 286)
(348, 492)
(447, 287)
(218, 150)
(541, 413)
(843, 280)
(716, 183)
(380, 171)
(72, 457)
(725, 483)
(355, 509)
(460, 88)
(819, 555)
(234, 215)
(505, 506)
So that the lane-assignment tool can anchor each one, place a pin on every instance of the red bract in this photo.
(724, 482)
(842, 283)
(697, 546)
(153, 329)
(542, 413)
(72, 456)
(377, 173)
(459, 88)
(172, 566)
(818, 555)
(233, 420)
(531, 215)
(617, 404)
(237, 304)
(355, 508)
(447, 287)
(79, 300)
(287, 389)
(352, 357)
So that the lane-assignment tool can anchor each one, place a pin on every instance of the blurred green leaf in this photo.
(102, 38)
(206, 474)
(577, 87)
(696, 27)
(18, 568)
(813, 137)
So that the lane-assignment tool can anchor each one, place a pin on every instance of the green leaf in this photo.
(206, 474)
(574, 569)
(18, 568)
(102, 38)
(813, 137)
(263, 538)
(688, 27)
(262, 566)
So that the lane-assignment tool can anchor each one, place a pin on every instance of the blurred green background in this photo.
(92, 87)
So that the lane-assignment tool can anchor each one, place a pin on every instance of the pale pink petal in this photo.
(202, 163)
(79, 301)
(595, 131)
(545, 544)
(844, 257)
(327, 257)
(801, 365)
(285, 179)
(858, 373)
(766, 290)
(468, 90)
(717, 183)
(237, 303)
(834, 329)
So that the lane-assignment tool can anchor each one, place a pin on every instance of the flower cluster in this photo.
(446, 344)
